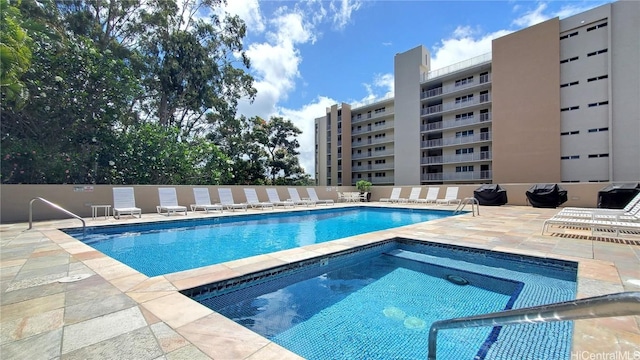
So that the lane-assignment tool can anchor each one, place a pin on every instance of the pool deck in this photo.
(118, 313)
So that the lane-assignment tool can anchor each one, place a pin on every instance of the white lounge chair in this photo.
(124, 202)
(414, 196)
(395, 196)
(295, 197)
(314, 197)
(169, 202)
(630, 205)
(631, 215)
(253, 201)
(595, 224)
(432, 195)
(274, 198)
(203, 201)
(451, 196)
(226, 200)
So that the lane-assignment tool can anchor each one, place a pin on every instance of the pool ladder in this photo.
(55, 206)
(475, 206)
(619, 304)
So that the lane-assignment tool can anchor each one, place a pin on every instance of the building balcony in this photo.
(458, 176)
(451, 105)
(469, 63)
(373, 115)
(373, 167)
(372, 128)
(372, 154)
(372, 141)
(376, 180)
(451, 159)
(453, 141)
(453, 123)
(450, 89)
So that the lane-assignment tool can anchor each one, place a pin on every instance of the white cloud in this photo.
(533, 17)
(462, 45)
(304, 119)
(342, 12)
(249, 12)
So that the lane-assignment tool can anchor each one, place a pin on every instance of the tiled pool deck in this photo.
(118, 313)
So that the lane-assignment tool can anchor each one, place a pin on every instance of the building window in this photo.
(598, 78)
(379, 148)
(570, 108)
(464, 133)
(382, 161)
(464, 81)
(484, 77)
(377, 136)
(380, 110)
(466, 168)
(597, 26)
(601, 103)
(464, 151)
(591, 156)
(463, 99)
(575, 58)
(464, 116)
(572, 157)
(593, 53)
(568, 35)
(598, 129)
(576, 132)
(573, 83)
(484, 96)
(380, 174)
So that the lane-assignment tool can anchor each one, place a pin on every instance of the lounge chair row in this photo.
(124, 200)
(609, 220)
(450, 197)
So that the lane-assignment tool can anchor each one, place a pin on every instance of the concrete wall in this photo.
(79, 198)
(526, 100)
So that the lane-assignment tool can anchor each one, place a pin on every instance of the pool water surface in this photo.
(166, 247)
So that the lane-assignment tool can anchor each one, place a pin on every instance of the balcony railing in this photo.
(372, 141)
(449, 159)
(451, 141)
(372, 154)
(457, 176)
(372, 128)
(475, 61)
(448, 89)
(373, 167)
(373, 115)
(448, 106)
(453, 123)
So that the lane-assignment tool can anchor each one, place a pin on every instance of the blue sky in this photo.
(308, 55)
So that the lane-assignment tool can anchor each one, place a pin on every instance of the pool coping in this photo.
(160, 300)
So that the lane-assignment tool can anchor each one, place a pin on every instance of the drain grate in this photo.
(600, 238)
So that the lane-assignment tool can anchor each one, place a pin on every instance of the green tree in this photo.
(278, 138)
(15, 54)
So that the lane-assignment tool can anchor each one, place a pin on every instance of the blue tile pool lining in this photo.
(559, 285)
(161, 248)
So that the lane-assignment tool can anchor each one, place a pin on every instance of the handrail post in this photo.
(55, 206)
(619, 304)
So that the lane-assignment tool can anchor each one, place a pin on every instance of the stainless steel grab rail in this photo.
(55, 206)
(470, 200)
(619, 304)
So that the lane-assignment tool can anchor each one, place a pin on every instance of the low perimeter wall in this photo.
(14, 199)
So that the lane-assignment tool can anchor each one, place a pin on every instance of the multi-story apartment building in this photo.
(556, 102)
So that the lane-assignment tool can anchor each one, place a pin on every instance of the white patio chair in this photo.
(314, 197)
(253, 201)
(432, 195)
(295, 197)
(395, 196)
(414, 196)
(203, 201)
(451, 196)
(124, 202)
(226, 200)
(274, 198)
(169, 202)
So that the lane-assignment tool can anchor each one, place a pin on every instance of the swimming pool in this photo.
(378, 302)
(170, 246)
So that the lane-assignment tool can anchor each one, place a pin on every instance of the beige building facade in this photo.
(556, 102)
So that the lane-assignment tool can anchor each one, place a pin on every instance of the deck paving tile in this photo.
(98, 329)
(40, 346)
(176, 309)
(139, 344)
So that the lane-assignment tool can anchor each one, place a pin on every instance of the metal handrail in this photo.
(475, 206)
(619, 304)
(55, 206)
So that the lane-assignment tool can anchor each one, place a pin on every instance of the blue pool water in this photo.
(166, 247)
(378, 302)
